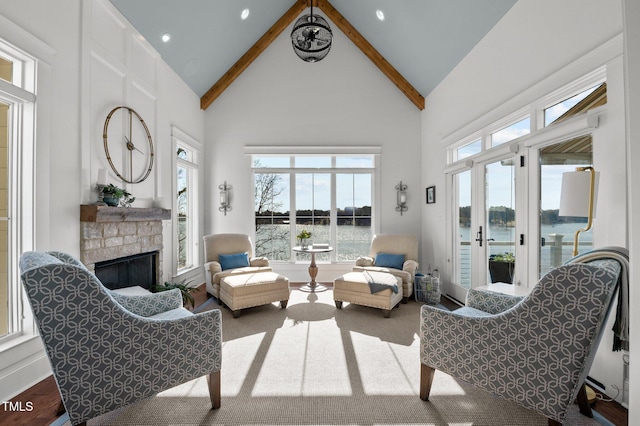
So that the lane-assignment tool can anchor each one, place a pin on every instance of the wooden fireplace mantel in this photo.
(95, 213)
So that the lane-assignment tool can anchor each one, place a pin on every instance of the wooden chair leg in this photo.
(554, 423)
(213, 380)
(583, 402)
(426, 380)
(61, 410)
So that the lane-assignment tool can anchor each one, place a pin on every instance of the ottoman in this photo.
(353, 287)
(255, 289)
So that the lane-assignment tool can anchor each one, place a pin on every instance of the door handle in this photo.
(479, 236)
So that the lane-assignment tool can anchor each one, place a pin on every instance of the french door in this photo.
(484, 222)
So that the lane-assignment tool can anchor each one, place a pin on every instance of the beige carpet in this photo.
(314, 364)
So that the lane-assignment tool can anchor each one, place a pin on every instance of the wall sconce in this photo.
(225, 197)
(401, 198)
(578, 197)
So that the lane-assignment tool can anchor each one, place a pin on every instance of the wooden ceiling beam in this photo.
(286, 19)
(371, 53)
(251, 54)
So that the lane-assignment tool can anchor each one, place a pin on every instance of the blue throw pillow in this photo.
(387, 260)
(236, 260)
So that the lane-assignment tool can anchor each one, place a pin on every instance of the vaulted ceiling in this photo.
(416, 44)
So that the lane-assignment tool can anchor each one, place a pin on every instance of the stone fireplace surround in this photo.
(108, 233)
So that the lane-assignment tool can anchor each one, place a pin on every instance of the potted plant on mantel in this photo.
(112, 196)
(501, 267)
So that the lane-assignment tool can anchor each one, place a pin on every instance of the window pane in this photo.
(183, 217)
(364, 161)
(353, 200)
(6, 70)
(4, 223)
(313, 209)
(271, 161)
(462, 270)
(184, 154)
(313, 196)
(509, 133)
(312, 162)
(469, 149)
(577, 104)
(272, 215)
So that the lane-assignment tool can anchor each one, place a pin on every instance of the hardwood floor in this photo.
(45, 399)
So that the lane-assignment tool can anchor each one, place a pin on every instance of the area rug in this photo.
(314, 364)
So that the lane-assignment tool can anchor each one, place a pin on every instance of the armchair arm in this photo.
(213, 267)
(410, 266)
(365, 261)
(150, 304)
(259, 261)
(491, 302)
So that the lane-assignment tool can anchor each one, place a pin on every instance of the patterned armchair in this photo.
(536, 351)
(383, 245)
(108, 350)
(218, 245)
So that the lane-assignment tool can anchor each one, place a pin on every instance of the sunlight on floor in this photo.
(241, 353)
(298, 370)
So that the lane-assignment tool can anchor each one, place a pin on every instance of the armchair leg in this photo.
(213, 380)
(583, 402)
(61, 410)
(426, 380)
(554, 423)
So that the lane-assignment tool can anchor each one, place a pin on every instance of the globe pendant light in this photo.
(311, 37)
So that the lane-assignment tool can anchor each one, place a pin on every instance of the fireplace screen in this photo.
(139, 269)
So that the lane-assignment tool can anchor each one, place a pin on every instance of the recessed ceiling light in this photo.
(245, 14)
(166, 37)
(380, 15)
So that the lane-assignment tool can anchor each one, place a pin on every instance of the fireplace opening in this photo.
(139, 269)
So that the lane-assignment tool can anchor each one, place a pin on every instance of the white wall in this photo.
(632, 70)
(536, 48)
(94, 61)
(344, 100)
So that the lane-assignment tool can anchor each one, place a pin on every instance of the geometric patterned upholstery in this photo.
(104, 356)
(536, 353)
(492, 303)
(150, 304)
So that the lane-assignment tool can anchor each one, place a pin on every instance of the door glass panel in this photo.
(500, 219)
(462, 245)
(557, 233)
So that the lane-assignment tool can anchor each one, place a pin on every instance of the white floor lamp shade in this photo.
(578, 197)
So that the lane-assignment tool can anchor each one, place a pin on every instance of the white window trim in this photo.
(181, 138)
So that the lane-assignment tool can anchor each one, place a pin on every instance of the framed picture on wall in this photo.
(431, 195)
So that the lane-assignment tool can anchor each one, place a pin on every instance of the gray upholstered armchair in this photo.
(536, 351)
(108, 350)
(217, 246)
(381, 258)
